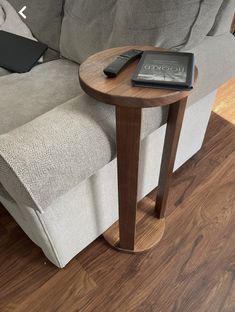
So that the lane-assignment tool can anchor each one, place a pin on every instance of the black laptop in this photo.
(19, 54)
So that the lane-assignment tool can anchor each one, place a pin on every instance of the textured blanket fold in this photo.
(11, 22)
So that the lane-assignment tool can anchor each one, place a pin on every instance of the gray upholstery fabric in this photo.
(46, 157)
(43, 18)
(3, 72)
(26, 96)
(5, 194)
(74, 133)
(216, 63)
(94, 25)
(29, 221)
(224, 18)
(10, 21)
(50, 55)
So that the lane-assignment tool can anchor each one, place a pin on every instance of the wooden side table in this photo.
(135, 231)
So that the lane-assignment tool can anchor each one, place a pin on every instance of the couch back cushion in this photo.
(44, 19)
(93, 25)
(224, 18)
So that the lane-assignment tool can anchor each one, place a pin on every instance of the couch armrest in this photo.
(46, 157)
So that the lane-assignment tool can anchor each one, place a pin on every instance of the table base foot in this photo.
(149, 229)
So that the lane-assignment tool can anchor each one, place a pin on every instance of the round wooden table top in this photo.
(119, 91)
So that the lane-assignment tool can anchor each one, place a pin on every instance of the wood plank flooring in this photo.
(191, 270)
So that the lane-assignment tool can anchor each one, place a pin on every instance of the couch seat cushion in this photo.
(26, 96)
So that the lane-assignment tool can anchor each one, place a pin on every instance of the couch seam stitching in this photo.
(49, 238)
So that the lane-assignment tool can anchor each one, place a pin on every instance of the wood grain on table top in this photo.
(119, 91)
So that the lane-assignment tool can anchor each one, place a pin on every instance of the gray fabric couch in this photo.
(57, 145)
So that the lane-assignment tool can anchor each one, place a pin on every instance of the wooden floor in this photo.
(192, 269)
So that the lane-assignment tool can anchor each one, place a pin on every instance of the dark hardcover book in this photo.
(168, 70)
(19, 54)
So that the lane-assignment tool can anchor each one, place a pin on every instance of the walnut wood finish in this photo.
(119, 91)
(174, 125)
(191, 270)
(128, 126)
(129, 102)
(149, 231)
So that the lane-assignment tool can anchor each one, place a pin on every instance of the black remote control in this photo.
(121, 62)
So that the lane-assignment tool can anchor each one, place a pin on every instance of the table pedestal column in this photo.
(137, 229)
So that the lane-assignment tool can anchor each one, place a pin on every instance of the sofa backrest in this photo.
(44, 19)
(93, 25)
(224, 18)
